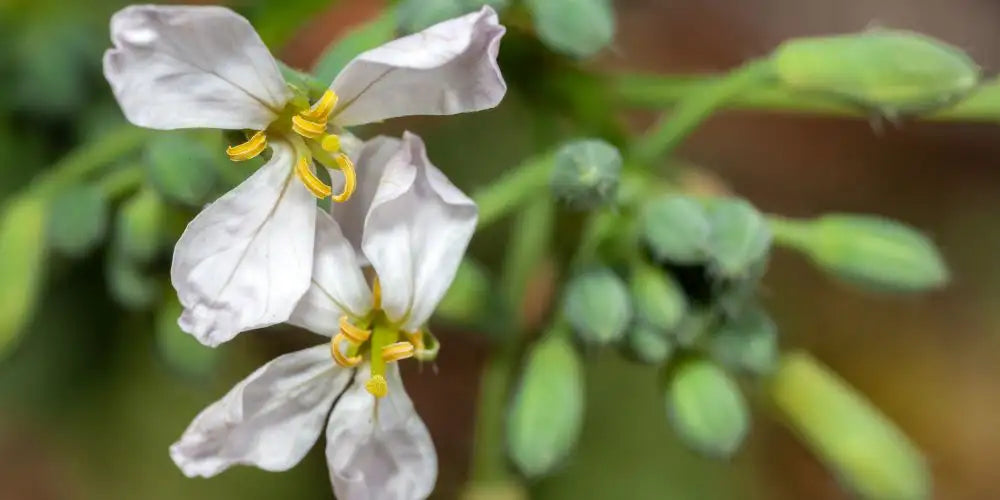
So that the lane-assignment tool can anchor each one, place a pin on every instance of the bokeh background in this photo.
(89, 403)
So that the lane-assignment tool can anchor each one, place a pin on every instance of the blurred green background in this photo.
(92, 397)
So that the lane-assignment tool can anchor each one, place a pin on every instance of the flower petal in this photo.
(245, 260)
(192, 67)
(388, 457)
(370, 162)
(416, 233)
(338, 286)
(269, 420)
(446, 69)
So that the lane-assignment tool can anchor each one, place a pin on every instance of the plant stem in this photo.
(90, 157)
(657, 91)
(121, 181)
(489, 463)
(791, 233)
(695, 108)
(506, 194)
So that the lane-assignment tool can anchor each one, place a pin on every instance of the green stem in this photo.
(489, 462)
(527, 181)
(791, 233)
(90, 157)
(657, 91)
(692, 110)
(121, 181)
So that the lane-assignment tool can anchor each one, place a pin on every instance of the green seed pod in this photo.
(586, 174)
(676, 229)
(872, 252)
(748, 342)
(706, 408)
(597, 306)
(658, 299)
(648, 345)
(139, 226)
(888, 70)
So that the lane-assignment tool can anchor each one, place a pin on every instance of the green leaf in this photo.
(740, 239)
(706, 408)
(366, 36)
(890, 70)
(748, 342)
(658, 299)
(79, 220)
(180, 350)
(181, 165)
(677, 229)
(138, 232)
(415, 15)
(872, 252)
(578, 28)
(586, 173)
(468, 297)
(23, 248)
(864, 449)
(597, 306)
(547, 411)
(128, 283)
(648, 345)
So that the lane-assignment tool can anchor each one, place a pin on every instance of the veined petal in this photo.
(390, 457)
(269, 420)
(446, 69)
(192, 67)
(415, 234)
(245, 260)
(370, 162)
(338, 286)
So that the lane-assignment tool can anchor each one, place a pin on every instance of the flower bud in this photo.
(658, 299)
(706, 408)
(586, 174)
(740, 240)
(597, 306)
(676, 229)
(748, 342)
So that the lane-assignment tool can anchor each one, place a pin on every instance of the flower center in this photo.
(379, 340)
(306, 130)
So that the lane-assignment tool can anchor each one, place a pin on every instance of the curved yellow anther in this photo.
(377, 386)
(320, 112)
(397, 351)
(248, 150)
(315, 186)
(308, 128)
(353, 333)
(330, 143)
(421, 352)
(350, 178)
(338, 355)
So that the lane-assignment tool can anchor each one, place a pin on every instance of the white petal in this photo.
(370, 162)
(446, 69)
(390, 457)
(192, 67)
(416, 233)
(269, 420)
(338, 286)
(245, 260)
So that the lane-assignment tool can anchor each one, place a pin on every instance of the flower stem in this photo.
(695, 108)
(505, 195)
(90, 157)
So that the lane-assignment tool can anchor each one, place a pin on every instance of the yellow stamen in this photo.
(421, 352)
(338, 356)
(350, 178)
(377, 386)
(397, 351)
(248, 150)
(352, 332)
(315, 186)
(330, 143)
(320, 112)
(308, 128)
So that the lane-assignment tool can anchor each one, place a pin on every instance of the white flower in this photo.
(246, 259)
(413, 226)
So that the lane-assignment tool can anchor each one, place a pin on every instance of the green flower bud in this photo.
(597, 306)
(659, 300)
(676, 229)
(869, 251)
(748, 342)
(892, 71)
(181, 165)
(740, 240)
(586, 174)
(79, 220)
(648, 345)
(139, 226)
(706, 408)
(24, 250)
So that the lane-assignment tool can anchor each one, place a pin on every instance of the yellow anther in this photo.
(421, 352)
(338, 355)
(377, 386)
(320, 112)
(397, 351)
(353, 333)
(330, 143)
(315, 186)
(308, 128)
(248, 150)
(350, 178)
